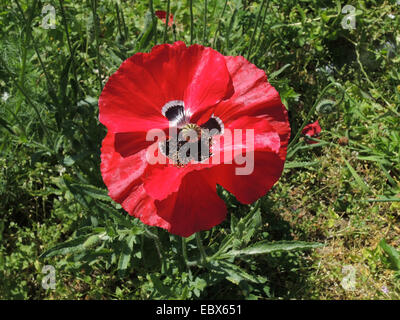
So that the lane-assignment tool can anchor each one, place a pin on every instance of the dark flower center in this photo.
(189, 141)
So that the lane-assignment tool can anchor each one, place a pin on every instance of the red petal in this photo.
(160, 181)
(268, 165)
(312, 129)
(248, 188)
(122, 176)
(162, 15)
(140, 205)
(265, 137)
(254, 96)
(130, 143)
(195, 207)
(133, 97)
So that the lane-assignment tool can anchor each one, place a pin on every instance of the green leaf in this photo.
(394, 256)
(118, 217)
(91, 241)
(94, 192)
(298, 164)
(274, 74)
(242, 231)
(147, 33)
(236, 274)
(264, 247)
(358, 179)
(72, 246)
(6, 125)
(384, 199)
(126, 254)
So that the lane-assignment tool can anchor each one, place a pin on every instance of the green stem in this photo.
(29, 101)
(28, 35)
(174, 32)
(219, 24)
(121, 11)
(191, 21)
(205, 22)
(68, 41)
(262, 27)
(159, 248)
(184, 253)
(119, 21)
(48, 79)
(255, 30)
(228, 33)
(203, 256)
(166, 22)
(96, 33)
(154, 21)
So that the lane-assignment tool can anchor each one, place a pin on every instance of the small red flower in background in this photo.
(312, 130)
(162, 15)
(187, 87)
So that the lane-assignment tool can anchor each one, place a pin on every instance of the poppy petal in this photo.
(162, 15)
(134, 95)
(130, 143)
(122, 176)
(161, 181)
(267, 164)
(248, 188)
(254, 96)
(195, 207)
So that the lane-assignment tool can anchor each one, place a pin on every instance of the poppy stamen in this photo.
(191, 143)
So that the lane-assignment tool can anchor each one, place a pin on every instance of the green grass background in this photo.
(342, 192)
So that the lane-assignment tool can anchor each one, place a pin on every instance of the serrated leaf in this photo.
(91, 241)
(358, 179)
(92, 191)
(299, 164)
(71, 246)
(394, 255)
(126, 254)
(265, 247)
(118, 217)
(274, 74)
(235, 274)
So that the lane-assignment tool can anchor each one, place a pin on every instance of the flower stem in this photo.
(49, 81)
(205, 23)
(191, 21)
(184, 253)
(203, 256)
(166, 22)
(255, 30)
(96, 34)
(154, 21)
(71, 51)
(159, 248)
(219, 24)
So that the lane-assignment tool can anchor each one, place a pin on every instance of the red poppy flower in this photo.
(162, 15)
(312, 130)
(190, 89)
